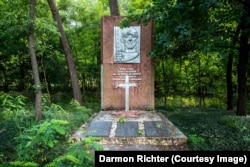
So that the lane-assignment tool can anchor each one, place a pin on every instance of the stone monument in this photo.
(127, 70)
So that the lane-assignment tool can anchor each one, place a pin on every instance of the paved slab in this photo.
(99, 128)
(127, 129)
(156, 129)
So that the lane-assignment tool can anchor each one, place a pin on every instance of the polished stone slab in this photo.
(99, 128)
(127, 129)
(156, 129)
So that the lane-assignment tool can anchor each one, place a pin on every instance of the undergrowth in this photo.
(26, 142)
(212, 129)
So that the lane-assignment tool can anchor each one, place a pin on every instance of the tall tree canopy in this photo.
(187, 27)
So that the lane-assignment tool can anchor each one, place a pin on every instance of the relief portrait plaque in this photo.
(127, 44)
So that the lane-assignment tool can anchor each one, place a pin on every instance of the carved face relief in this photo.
(129, 38)
(127, 44)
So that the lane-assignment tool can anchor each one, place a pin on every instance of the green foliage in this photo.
(159, 125)
(122, 119)
(38, 144)
(140, 132)
(71, 112)
(248, 107)
(174, 102)
(13, 107)
(54, 111)
(8, 131)
(212, 129)
(79, 113)
(195, 141)
(46, 144)
(77, 154)
(15, 111)
(15, 116)
(148, 109)
(231, 121)
(24, 164)
(26, 142)
(37, 88)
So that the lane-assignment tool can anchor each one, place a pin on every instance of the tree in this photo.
(243, 58)
(14, 58)
(67, 52)
(114, 9)
(37, 86)
(183, 27)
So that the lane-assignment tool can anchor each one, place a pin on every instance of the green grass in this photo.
(211, 129)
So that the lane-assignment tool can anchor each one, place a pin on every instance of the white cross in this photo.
(126, 85)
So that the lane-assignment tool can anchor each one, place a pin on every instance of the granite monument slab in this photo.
(127, 129)
(99, 128)
(155, 129)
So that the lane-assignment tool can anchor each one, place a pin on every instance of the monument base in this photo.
(117, 128)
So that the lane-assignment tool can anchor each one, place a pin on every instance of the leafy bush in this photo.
(13, 107)
(45, 144)
(231, 121)
(78, 154)
(55, 111)
(38, 144)
(32, 143)
(7, 133)
(72, 112)
(196, 141)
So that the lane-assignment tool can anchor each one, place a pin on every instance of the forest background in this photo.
(201, 50)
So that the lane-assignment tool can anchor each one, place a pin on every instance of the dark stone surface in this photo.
(99, 128)
(126, 129)
(155, 129)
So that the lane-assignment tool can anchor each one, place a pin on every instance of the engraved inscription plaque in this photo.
(127, 44)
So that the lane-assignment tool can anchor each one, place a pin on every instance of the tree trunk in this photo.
(165, 92)
(242, 73)
(114, 10)
(229, 82)
(67, 52)
(37, 86)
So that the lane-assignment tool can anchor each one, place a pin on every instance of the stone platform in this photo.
(132, 130)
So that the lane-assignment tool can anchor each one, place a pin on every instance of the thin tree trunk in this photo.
(229, 70)
(114, 10)
(165, 92)
(243, 59)
(65, 45)
(38, 105)
(242, 74)
(229, 82)
(45, 78)
(199, 90)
